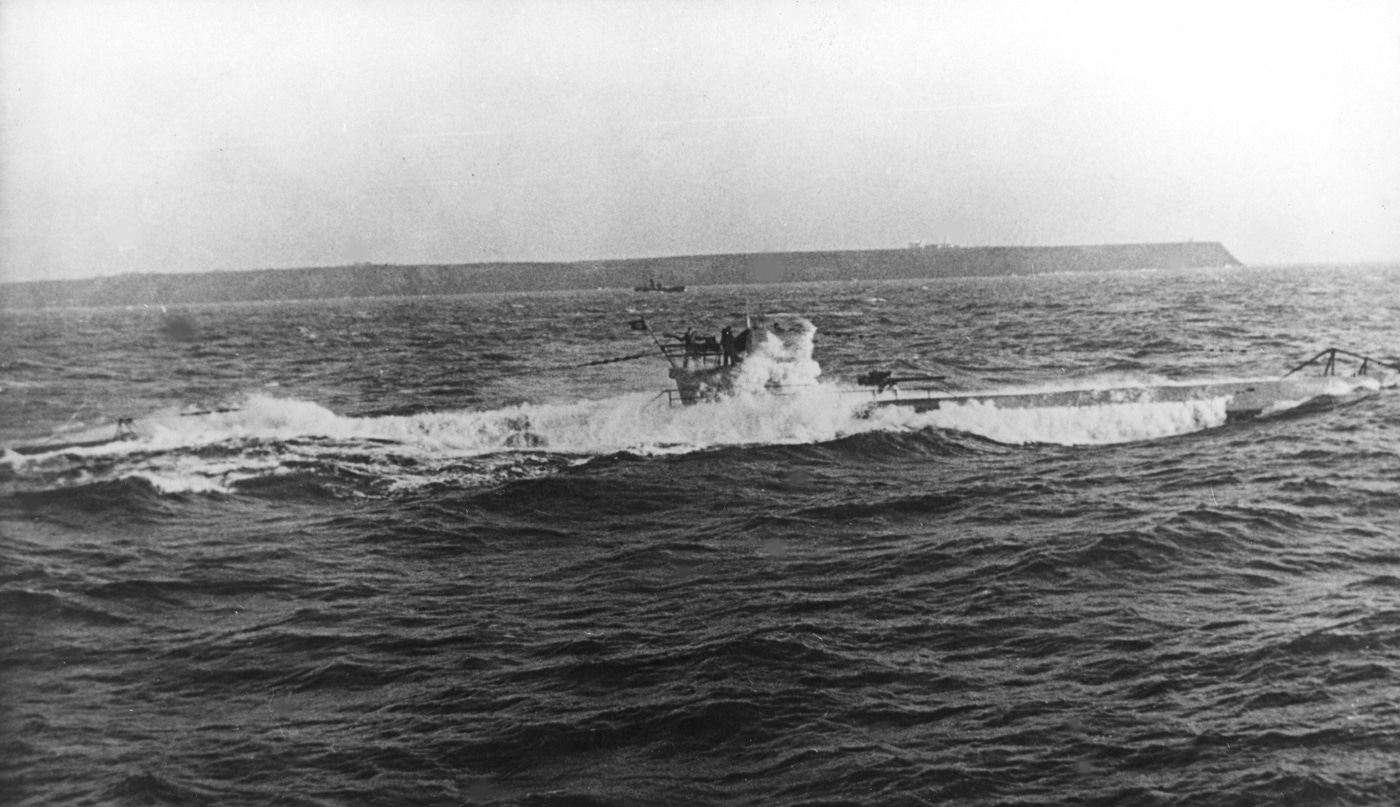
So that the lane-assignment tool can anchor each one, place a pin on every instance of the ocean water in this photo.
(436, 554)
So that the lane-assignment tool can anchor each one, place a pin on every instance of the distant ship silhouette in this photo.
(653, 285)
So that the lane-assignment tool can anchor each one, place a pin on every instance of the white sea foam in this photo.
(166, 483)
(780, 359)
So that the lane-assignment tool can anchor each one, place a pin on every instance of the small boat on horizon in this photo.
(654, 285)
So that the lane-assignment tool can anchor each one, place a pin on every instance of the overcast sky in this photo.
(150, 136)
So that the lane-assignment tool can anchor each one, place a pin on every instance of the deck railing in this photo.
(696, 354)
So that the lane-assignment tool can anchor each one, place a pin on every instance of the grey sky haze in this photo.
(153, 136)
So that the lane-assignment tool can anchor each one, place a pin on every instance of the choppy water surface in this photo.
(425, 563)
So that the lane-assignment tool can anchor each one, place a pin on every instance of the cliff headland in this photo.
(377, 280)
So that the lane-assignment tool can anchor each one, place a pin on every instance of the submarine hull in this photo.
(1244, 399)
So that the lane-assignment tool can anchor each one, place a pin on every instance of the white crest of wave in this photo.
(260, 417)
(166, 483)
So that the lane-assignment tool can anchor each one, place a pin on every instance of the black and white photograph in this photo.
(632, 403)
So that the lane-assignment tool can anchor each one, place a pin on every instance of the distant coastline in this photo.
(379, 280)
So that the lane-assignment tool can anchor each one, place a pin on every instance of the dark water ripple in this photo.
(321, 613)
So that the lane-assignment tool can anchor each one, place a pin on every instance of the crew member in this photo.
(726, 345)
